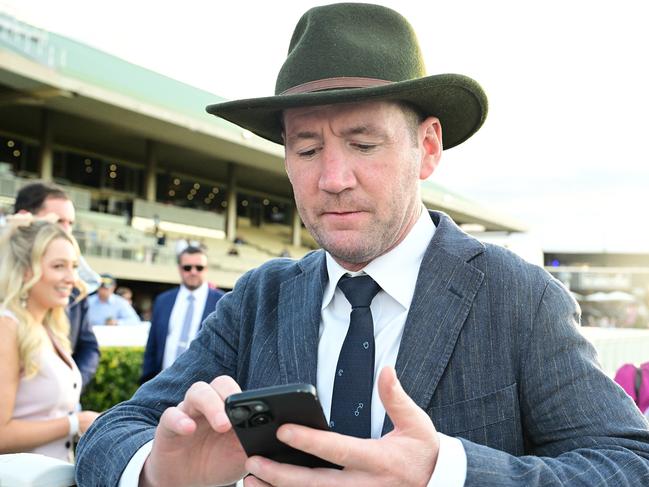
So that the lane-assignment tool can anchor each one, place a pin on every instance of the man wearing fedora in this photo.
(438, 360)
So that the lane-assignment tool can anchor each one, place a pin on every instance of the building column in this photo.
(46, 156)
(150, 182)
(231, 215)
(296, 232)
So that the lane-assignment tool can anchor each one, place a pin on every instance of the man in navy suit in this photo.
(466, 366)
(178, 310)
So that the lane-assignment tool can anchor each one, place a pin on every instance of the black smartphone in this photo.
(256, 414)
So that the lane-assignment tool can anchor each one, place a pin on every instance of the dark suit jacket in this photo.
(155, 346)
(85, 349)
(490, 350)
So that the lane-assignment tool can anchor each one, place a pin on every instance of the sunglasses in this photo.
(188, 268)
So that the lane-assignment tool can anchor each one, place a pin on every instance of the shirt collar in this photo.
(199, 293)
(395, 271)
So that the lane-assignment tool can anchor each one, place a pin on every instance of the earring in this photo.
(23, 299)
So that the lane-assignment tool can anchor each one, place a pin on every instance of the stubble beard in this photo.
(367, 245)
(192, 287)
(364, 244)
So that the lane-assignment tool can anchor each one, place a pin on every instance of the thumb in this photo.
(401, 409)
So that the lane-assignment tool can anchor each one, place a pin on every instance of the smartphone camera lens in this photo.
(260, 419)
(259, 407)
(239, 414)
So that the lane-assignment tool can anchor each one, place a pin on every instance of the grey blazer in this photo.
(490, 351)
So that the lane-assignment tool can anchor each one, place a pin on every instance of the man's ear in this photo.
(431, 136)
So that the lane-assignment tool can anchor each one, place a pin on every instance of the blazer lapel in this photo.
(299, 321)
(445, 290)
(167, 307)
(210, 306)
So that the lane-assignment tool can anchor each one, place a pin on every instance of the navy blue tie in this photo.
(351, 403)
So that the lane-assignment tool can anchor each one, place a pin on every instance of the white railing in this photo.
(122, 336)
(616, 346)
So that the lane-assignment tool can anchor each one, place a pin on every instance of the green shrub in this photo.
(116, 379)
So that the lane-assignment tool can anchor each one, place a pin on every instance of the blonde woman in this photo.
(39, 382)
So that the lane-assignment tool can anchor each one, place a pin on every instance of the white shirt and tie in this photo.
(179, 316)
(396, 272)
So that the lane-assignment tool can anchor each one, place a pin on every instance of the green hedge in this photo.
(116, 379)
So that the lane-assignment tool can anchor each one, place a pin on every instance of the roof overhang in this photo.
(101, 120)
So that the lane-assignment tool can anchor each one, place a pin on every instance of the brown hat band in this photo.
(335, 83)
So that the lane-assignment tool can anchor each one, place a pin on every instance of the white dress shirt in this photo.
(177, 318)
(396, 272)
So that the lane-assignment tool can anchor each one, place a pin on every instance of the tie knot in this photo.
(359, 290)
(190, 298)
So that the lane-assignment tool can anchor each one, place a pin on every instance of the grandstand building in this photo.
(146, 165)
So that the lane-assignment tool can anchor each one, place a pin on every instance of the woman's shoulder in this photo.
(8, 325)
(7, 316)
(5, 313)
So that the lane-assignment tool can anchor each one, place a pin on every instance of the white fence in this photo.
(616, 346)
(122, 336)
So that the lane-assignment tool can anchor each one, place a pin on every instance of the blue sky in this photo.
(563, 148)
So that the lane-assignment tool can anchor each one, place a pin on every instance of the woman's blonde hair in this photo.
(21, 251)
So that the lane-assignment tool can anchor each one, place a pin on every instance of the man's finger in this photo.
(201, 401)
(175, 422)
(251, 481)
(402, 410)
(269, 472)
(225, 386)
(207, 400)
(342, 450)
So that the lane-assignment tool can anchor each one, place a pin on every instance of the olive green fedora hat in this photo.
(355, 52)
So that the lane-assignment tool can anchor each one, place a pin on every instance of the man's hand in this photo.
(194, 443)
(404, 457)
(86, 418)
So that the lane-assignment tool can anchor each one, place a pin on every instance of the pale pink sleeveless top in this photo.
(52, 393)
